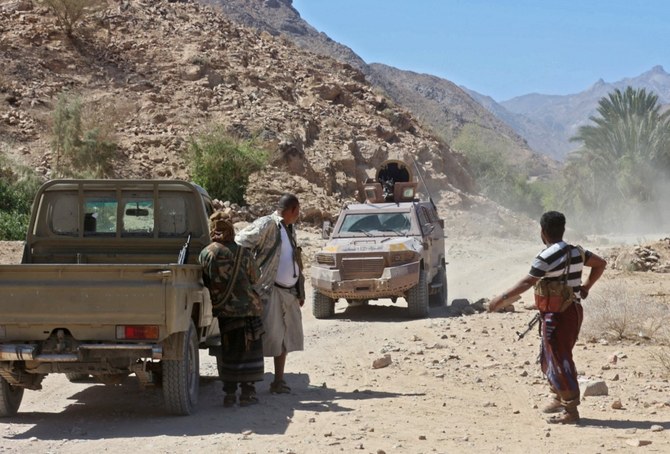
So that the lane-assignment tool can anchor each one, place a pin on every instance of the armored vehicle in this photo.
(391, 246)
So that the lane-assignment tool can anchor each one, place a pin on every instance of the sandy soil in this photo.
(456, 384)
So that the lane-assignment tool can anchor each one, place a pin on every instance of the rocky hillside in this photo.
(437, 103)
(160, 72)
(280, 18)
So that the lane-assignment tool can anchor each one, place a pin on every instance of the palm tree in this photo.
(625, 149)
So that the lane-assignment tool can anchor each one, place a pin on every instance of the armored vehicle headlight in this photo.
(400, 257)
(325, 259)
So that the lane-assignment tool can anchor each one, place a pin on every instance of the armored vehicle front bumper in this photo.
(354, 281)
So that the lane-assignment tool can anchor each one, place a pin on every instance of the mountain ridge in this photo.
(549, 121)
(536, 123)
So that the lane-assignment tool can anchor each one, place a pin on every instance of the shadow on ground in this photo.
(125, 411)
(385, 311)
(621, 424)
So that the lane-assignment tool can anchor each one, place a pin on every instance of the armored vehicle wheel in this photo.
(439, 298)
(111, 379)
(75, 377)
(322, 305)
(181, 377)
(10, 398)
(417, 297)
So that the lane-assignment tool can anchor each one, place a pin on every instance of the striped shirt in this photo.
(550, 264)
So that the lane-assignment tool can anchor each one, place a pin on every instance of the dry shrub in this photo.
(70, 12)
(105, 115)
(83, 141)
(661, 354)
(618, 312)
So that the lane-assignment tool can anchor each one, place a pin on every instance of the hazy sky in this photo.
(503, 48)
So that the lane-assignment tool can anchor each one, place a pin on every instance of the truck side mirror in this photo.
(326, 230)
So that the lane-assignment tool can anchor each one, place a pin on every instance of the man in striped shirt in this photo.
(559, 329)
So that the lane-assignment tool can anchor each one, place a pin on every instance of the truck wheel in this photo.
(10, 398)
(322, 305)
(417, 297)
(440, 297)
(181, 377)
(76, 377)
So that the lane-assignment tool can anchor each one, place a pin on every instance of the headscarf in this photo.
(221, 227)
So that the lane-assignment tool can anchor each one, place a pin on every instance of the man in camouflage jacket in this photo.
(229, 273)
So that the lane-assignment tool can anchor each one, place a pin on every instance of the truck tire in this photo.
(10, 398)
(76, 377)
(417, 297)
(440, 297)
(322, 305)
(181, 377)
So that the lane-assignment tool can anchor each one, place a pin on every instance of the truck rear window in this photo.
(172, 216)
(113, 213)
(138, 216)
(100, 215)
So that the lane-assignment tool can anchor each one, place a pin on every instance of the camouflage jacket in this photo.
(218, 261)
(263, 238)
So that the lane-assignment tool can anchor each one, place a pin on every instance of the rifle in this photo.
(183, 252)
(535, 320)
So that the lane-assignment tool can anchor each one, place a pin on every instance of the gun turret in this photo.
(393, 183)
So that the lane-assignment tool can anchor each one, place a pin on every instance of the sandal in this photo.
(248, 399)
(555, 406)
(229, 400)
(279, 387)
(564, 418)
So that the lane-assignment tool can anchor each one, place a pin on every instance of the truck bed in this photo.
(89, 300)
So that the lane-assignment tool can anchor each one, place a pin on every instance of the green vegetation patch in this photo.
(222, 164)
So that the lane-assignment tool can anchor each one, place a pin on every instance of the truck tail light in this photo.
(137, 332)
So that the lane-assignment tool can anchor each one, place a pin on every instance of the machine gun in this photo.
(183, 252)
(534, 321)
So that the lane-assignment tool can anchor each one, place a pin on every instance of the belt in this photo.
(284, 287)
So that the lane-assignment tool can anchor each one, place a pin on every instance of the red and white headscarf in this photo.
(221, 227)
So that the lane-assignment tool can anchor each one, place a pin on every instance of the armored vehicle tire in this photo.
(439, 298)
(10, 398)
(322, 306)
(76, 376)
(181, 377)
(111, 379)
(417, 297)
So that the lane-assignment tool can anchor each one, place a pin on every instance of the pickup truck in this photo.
(106, 288)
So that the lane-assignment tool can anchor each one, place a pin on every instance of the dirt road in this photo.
(456, 384)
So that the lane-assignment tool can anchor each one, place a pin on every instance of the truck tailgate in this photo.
(43, 297)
